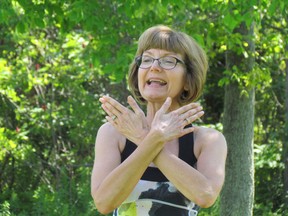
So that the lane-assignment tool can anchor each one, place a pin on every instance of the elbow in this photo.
(205, 203)
(101, 205)
(103, 211)
(207, 199)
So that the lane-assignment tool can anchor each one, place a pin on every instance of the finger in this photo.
(188, 113)
(135, 107)
(193, 118)
(105, 108)
(114, 104)
(111, 120)
(187, 130)
(111, 106)
(188, 107)
(166, 105)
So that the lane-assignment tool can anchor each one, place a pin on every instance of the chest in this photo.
(183, 148)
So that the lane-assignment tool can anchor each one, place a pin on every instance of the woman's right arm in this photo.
(113, 181)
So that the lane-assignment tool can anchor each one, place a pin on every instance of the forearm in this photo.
(189, 181)
(117, 186)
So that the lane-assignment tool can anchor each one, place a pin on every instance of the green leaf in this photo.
(21, 27)
(39, 22)
(230, 22)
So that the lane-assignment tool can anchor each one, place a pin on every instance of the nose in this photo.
(155, 64)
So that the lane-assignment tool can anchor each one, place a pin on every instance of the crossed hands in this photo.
(133, 123)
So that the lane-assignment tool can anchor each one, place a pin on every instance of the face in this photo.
(155, 83)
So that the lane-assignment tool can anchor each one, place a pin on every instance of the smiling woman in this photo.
(193, 57)
(168, 81)
(155, 162)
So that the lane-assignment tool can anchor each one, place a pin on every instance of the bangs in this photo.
(160, 38)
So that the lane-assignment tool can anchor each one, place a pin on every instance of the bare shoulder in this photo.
(204, 133)
(109, 135)
(107, 127)
(208, 137)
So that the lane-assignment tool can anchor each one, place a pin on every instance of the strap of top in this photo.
(186, 149)
(186, 153)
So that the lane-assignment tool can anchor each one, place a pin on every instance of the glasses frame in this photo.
(138, 61)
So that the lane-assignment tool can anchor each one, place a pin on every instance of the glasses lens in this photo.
(146, 62)
(168, 62)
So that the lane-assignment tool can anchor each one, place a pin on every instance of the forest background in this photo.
(58, 57)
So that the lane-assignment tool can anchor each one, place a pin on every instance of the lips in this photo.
(156, 81)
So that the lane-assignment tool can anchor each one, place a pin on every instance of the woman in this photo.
(157, 162)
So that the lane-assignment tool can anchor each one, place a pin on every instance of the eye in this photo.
(169, 60)
(146, 59)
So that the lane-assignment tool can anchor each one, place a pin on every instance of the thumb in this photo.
(135, 107)
(166, 105)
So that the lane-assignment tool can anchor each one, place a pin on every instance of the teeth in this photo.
(155, 80)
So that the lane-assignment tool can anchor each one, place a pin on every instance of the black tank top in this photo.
(186, 153)
(154, 194)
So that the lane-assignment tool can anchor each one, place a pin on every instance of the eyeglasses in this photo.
(166, 62)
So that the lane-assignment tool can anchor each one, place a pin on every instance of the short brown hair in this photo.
(163, 37)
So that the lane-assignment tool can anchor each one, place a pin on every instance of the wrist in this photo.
(156, 135)
(160, 156)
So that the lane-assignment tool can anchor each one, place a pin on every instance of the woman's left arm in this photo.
(203, 184)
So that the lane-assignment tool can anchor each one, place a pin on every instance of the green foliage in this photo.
(5, 209)
(268, 179)
(49, 92)
(71, 197)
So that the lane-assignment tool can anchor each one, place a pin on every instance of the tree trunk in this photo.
(285, 141)
(238, 121)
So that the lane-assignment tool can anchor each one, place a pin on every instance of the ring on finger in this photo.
(114, 117)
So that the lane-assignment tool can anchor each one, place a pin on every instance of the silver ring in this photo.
(114, 117)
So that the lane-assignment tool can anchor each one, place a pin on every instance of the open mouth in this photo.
(156, 81)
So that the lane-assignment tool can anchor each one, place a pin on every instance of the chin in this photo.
(155, 98)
